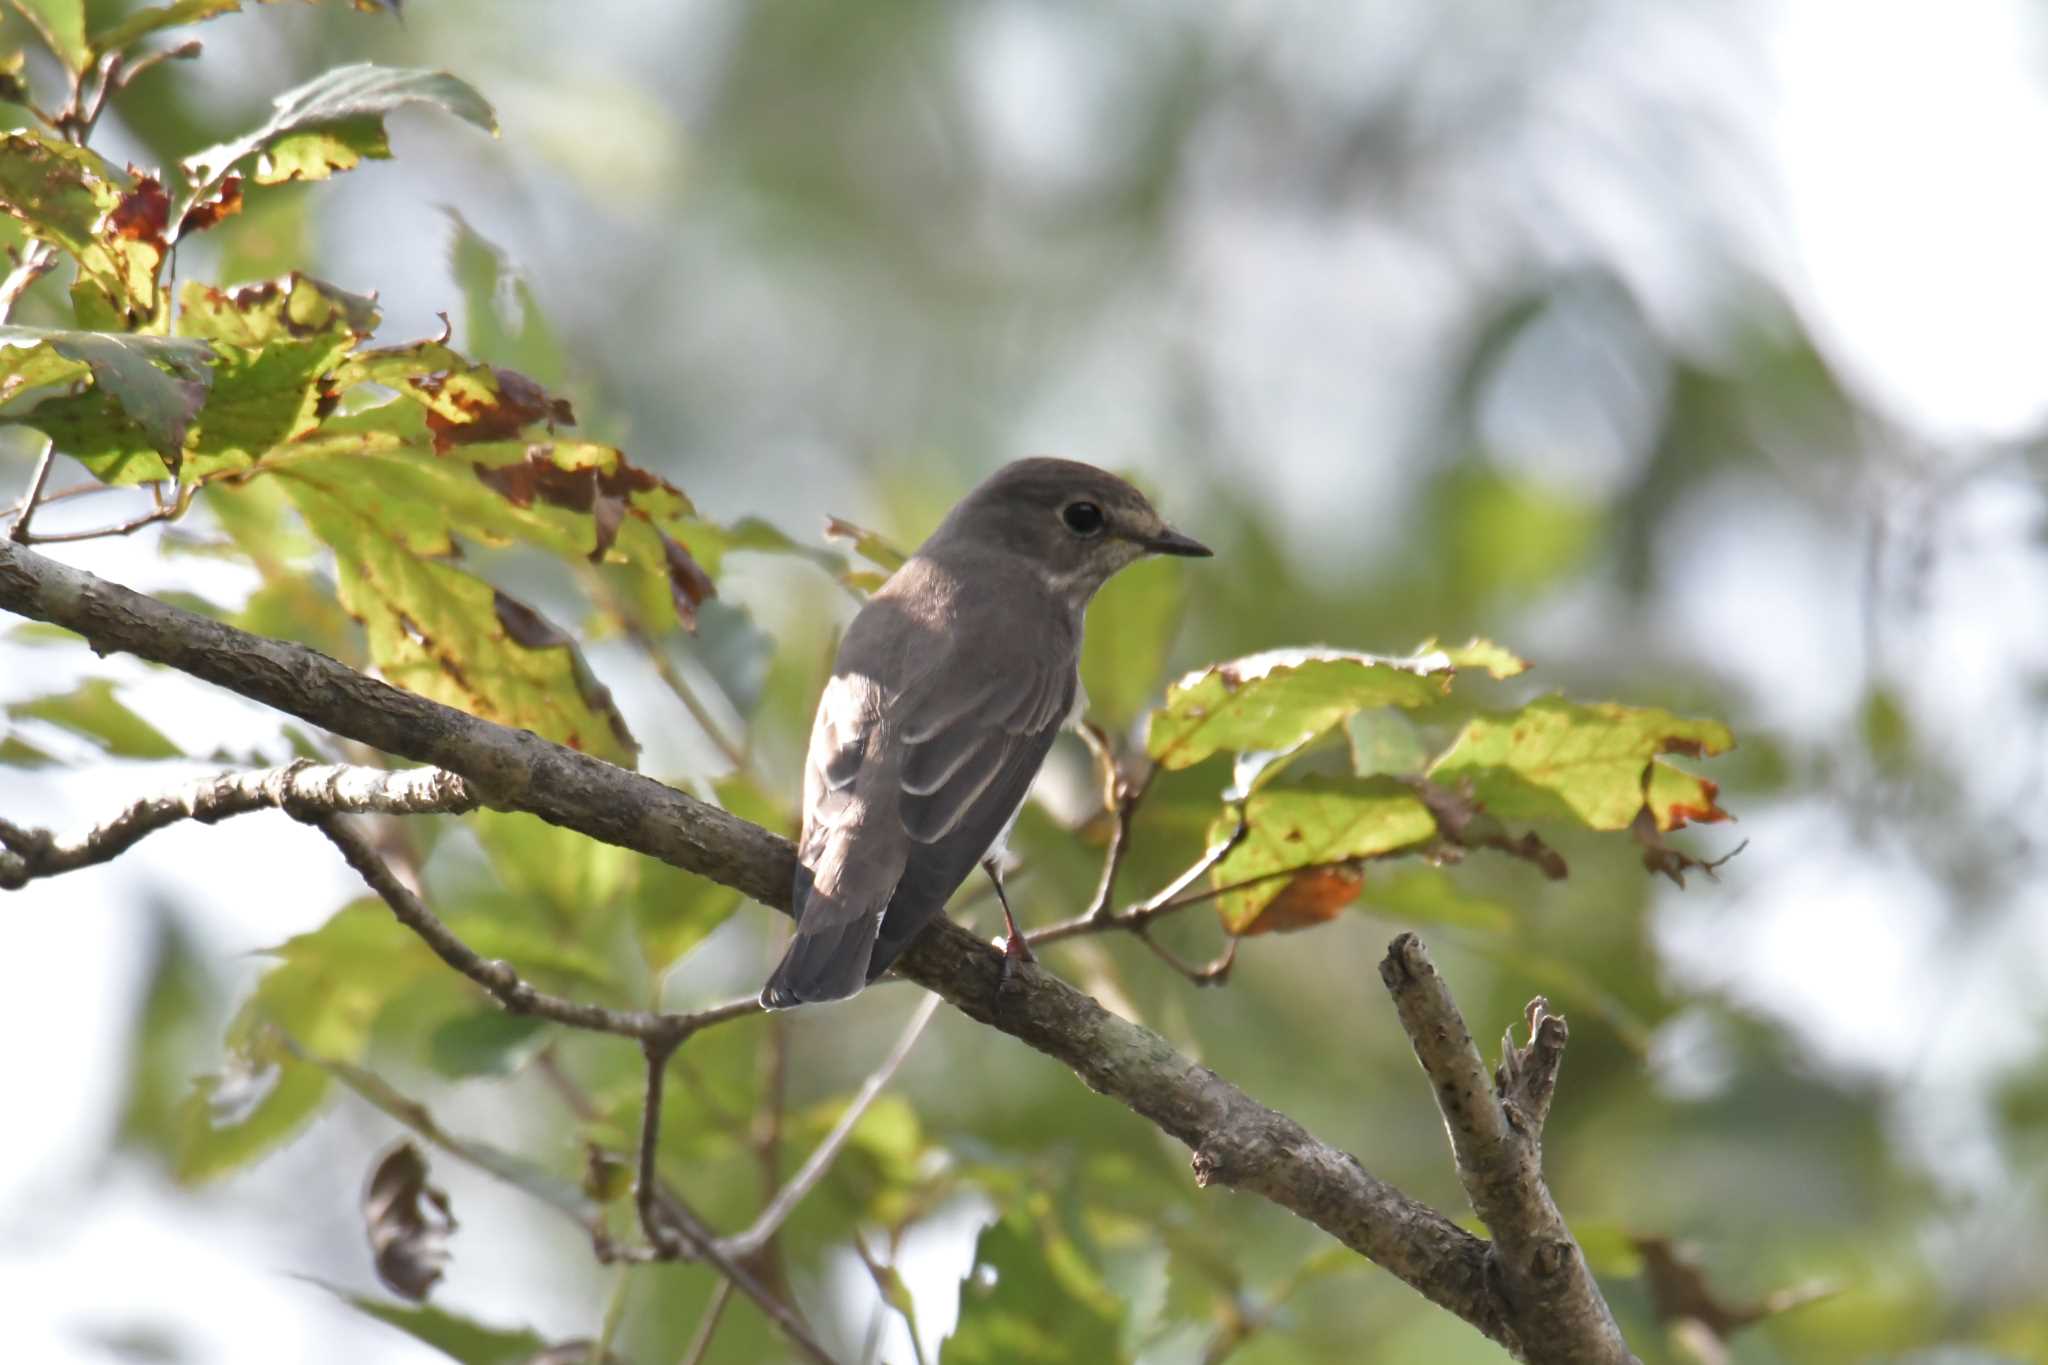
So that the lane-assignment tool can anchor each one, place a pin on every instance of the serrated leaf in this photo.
(501, 317)
(1480, 653)
(1302, 826)
(92, 711)
(144, 22)
(61, 26)
(324, 992)
(1032, 1298)
(296, 307)
(334, 120)
(872, 546)
(1588, 763)
(111, 222)
(146, 391)
(1280, 699)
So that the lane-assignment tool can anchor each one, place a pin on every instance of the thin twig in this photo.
(820, 1161)
(1164, 902)
(302, 787)
(707, 1326)
(673, 1231)
(497, 976)
(18, 532)
(164, 511)
(34, 264)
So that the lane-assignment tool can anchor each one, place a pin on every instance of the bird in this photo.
(948, 688)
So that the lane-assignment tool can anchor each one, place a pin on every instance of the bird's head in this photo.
(1073, 522)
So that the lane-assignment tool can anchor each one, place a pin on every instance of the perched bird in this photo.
(948, 689)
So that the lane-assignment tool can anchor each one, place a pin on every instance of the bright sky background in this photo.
(1906, 141)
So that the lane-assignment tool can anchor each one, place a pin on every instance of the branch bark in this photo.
(1235, 1140)
(1497, 1136)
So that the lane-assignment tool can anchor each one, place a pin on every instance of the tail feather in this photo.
(828, 958)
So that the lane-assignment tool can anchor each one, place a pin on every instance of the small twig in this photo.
(300, 787)
(35, 262)
(673, 1231)
(498, 977)
(707, 1326)
(163, 511)
(888, 1285)
(30, 500)
(792, 1193)
(1214, 972)
(1164, 902)
(77, 490)
(1497, 1145)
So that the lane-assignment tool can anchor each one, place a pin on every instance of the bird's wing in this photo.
(849, 856)
(972, 736)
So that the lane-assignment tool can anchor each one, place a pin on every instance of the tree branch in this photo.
(301, 787)
(497, 976)
(1498, 1143)
(1235, 1140)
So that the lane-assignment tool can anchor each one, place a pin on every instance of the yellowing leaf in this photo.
(110, 222)
(1589, 763)
(1282, 698)
(334, 120)
(1306, 826)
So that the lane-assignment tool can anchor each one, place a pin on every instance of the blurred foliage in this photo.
(823, 247)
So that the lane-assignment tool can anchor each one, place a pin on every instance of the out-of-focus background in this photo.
(1692, 349)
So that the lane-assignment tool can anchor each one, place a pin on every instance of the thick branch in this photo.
(1235, 1140)
(1558, 1314)
(300, 787)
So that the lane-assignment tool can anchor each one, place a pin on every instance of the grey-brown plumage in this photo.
(949, 687)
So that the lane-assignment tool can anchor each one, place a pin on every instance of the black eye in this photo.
(1082, 518)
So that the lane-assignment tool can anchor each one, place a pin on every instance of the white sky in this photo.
(1907, 142)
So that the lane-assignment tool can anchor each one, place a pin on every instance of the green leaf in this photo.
(334, 120)
(1032, 1297)
(92, 711)
(501, 317)
(1385, 744)
(434, 628)
(1316, 821)
(323, 995)
(147, 389)
(1283, 698)
(872, 546)
(144, 22)
(112, 223)
(1591, 764)
(452, 1335)
(674, 911)
(61, 26)
(1130, 627)
(295, 307)
(485, 1042)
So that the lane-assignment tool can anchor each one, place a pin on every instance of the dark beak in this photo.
(1172, 542)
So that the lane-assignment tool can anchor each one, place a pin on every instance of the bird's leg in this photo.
(1015, 948)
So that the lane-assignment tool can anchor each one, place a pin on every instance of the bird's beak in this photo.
(1172, 542)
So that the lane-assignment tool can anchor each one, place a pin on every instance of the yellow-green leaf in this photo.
(1588, 763)
(1282, 698)
(1308, 825)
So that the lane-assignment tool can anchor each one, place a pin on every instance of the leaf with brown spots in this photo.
(408, 1221)
(224, 202)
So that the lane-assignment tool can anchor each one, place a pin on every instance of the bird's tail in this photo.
(828, 958)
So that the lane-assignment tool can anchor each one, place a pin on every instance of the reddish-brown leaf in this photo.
(1312, 897)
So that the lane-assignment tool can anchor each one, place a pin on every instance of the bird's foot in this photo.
(1015, 950)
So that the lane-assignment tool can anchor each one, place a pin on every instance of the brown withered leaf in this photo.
(1660, 857)
(527, 628)
(143, 214)
(224, 202)
(1311, 897)
(688, 584)
(408, 1221)
(1464, 823)
(518, 403)
(604, 493)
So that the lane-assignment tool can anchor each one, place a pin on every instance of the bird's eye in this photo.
(1082, 518)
